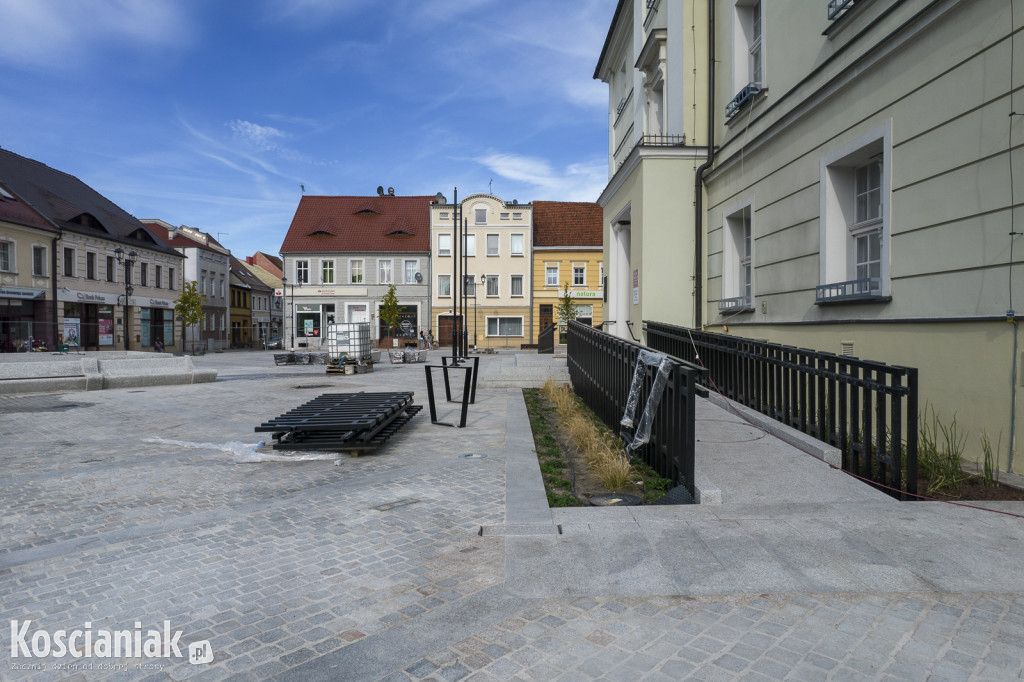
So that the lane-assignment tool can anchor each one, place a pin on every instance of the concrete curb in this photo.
(823, 451)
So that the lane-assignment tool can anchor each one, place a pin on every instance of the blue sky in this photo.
(212, 113)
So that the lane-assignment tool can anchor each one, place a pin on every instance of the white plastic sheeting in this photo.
(642, 433)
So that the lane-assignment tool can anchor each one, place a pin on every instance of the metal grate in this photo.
(342, 421)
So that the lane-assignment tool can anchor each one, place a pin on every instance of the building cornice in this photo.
(640, 153)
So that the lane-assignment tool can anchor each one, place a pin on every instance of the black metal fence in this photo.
(601, 367)
(546, 340)
(866, 409)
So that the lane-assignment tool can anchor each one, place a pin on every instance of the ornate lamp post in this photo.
(128, 261)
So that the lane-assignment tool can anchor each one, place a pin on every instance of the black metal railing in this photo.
(601, 368)
(546, 340)
(866, 409)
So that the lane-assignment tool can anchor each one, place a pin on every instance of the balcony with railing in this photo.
(744, 97)
(864, 289)
(837, 8)
(737, 304)
(621, 154)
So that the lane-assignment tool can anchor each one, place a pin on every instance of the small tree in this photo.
(567, 309)
(189, 309)
(389, 309)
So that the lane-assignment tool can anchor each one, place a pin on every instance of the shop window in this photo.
(504, 326)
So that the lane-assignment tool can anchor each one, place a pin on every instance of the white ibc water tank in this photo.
(351, 339)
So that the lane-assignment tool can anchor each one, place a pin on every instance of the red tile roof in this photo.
(13, 210)
(347, 224)
(567, 223)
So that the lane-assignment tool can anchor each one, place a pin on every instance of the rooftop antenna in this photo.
(218, 236)
(303, 188)
(490, 183)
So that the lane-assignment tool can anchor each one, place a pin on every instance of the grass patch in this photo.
(553, 408)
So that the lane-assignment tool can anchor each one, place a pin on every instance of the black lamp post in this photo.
(128, 261)
(284, 285)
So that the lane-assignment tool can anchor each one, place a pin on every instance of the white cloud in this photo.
(262, 137)
(58, 33)
(582, 181)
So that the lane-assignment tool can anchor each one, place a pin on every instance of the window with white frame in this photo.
(492, 245)
(517, 216)
(854, 219)
(158, 277)
(444, 286)
(737, 262)
(505, 215)
(444, 245)
(504, 326)
(39, 261)
(411, 268)
(302, 271)
(170, 278)
(551, 275)
(579, 275)
(111, 269)
(6, 257)
(327, 272)
(516, 244)
(90, 265)
(748, 46)
(469, 244)
(384, 272)
(445, 216)
(480, 216)
(144, 274)
(492, 284)
(355, 268)
(516, 285)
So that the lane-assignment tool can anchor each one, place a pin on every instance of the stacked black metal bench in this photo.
(356, 422)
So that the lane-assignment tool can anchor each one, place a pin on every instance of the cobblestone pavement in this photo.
(127, 506)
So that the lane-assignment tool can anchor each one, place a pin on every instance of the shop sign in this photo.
(586, 294)
(157, 303)
(20, 292)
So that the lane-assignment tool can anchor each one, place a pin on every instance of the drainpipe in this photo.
(1013, 397)
(698, 243)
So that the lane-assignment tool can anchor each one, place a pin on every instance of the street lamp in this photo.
(284, 284)
(128, 261)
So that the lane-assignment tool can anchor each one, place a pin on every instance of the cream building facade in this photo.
(497, 244)
(863, 202)
(654, 62)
